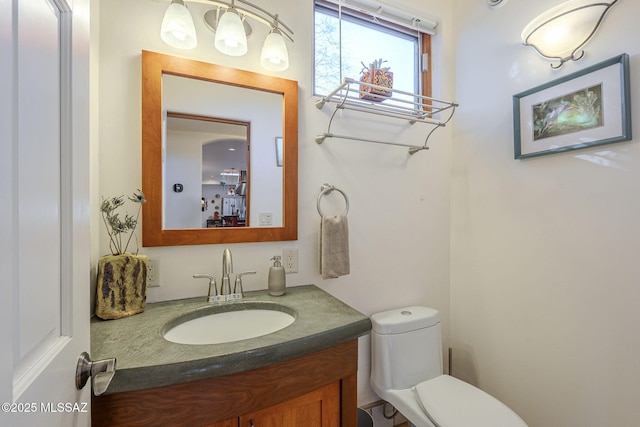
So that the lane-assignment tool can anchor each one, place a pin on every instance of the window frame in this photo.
(423, 72)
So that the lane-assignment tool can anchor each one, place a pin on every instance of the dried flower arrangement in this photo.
(121, 288)
(377, 64)
(118, 228)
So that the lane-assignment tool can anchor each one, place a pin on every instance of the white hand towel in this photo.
(334, 246)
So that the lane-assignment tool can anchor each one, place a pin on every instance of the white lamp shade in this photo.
(230, 36)
(564, 29)
(177, 27)
(274, 54)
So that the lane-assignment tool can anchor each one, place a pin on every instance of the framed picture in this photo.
(279, 151)
(584, 109)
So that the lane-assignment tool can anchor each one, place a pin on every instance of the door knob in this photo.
(102, 372)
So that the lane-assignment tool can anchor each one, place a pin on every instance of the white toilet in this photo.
(406, 371)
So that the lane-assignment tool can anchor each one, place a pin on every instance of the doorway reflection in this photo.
(207, 159)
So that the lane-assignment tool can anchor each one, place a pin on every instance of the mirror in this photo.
(178, 92)
(206, 163)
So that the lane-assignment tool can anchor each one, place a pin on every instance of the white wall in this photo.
(399, 206)
(544, 276)
(183, 152)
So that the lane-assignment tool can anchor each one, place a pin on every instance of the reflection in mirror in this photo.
(208, 157)
(263, 110)
(202, 106)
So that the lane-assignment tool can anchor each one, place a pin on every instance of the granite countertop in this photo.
(146, 360)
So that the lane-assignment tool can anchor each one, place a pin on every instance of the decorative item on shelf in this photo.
(375, 75)
(122, 276)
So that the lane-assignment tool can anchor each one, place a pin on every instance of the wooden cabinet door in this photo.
(320, 408)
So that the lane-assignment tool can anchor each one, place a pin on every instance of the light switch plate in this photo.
(266, 219)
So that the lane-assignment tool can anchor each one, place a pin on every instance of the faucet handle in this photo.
(237, 288)
(213, 290)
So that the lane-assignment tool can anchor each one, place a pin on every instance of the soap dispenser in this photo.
(277, 278)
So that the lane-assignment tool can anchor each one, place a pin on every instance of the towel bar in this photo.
(327, 189)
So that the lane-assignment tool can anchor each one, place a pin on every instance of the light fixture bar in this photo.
(231, 30)
(269, 21)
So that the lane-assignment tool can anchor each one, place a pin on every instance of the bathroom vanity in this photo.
(304, 374)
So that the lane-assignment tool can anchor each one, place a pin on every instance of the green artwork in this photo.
(569, 113)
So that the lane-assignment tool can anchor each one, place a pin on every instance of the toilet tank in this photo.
(406, 348)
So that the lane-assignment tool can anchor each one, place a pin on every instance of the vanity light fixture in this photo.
(560, 32)
(230, 36)
(228, 22)
(177, 28)
(274, 55)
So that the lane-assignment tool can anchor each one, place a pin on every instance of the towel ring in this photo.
(327, 189)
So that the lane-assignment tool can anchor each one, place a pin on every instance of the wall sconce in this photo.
(562, 31)
(496, 4)
(231, 29)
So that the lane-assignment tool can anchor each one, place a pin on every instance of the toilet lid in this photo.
(450, 402)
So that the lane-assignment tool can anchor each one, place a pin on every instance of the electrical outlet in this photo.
(290, 260)
(153, 273)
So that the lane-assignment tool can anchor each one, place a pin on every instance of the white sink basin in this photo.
(228, 326)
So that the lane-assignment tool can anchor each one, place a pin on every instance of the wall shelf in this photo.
(402, 105)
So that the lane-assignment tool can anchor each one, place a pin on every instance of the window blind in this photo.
(380, 10)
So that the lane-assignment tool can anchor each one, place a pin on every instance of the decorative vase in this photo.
(379, 77)
(121, 290)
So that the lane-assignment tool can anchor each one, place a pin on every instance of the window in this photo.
(366, 38)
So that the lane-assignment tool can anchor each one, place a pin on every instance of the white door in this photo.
(44, 215)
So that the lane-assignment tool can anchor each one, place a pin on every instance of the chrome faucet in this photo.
(227, 268)
(225, 286)
(213, 291)
(237, 288)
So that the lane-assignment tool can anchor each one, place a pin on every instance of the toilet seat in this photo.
(449, 402)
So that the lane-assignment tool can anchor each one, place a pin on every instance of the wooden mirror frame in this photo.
(154, 65)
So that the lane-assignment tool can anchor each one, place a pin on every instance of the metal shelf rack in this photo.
(411, 107)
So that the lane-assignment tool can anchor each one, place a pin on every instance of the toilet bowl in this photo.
(406, 371)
